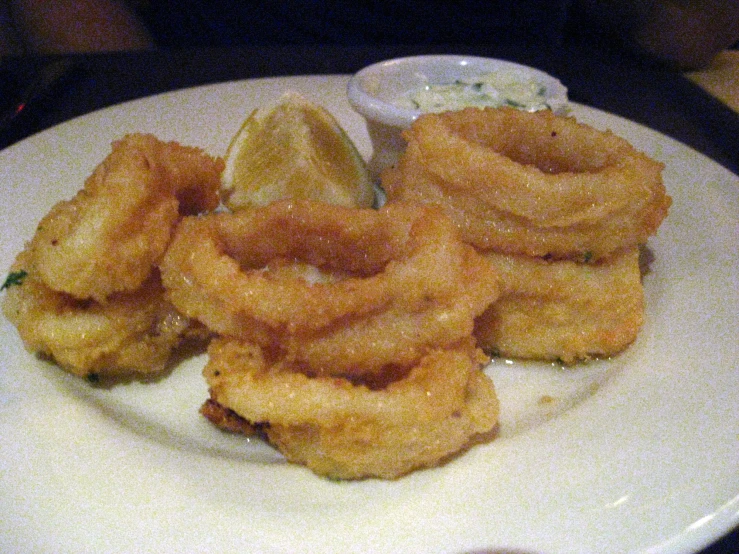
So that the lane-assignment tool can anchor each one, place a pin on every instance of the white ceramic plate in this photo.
(637, 454)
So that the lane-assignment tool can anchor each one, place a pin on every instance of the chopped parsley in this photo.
(500, 88)
(14, 278)
(514, 104)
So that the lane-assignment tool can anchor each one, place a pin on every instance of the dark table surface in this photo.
(659, 98)
(604, 79)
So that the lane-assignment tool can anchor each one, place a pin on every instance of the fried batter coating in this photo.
(92, 298)
(563, 310)
(226, 419)
(133, 332)
(531, 183)
(402, 282)
(110, 235)
(346, 430)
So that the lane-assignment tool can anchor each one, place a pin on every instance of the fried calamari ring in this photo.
(110, 235)
(349, 431)
(531, 183)
(130, 333)
(404, 282)
(563, 310)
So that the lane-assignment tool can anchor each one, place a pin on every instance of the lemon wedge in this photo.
(295, 149)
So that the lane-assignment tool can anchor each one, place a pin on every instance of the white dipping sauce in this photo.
(502, 88)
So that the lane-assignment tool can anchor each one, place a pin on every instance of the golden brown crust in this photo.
(110, 236)
(132, 332)
(226, 419)
(409, 283)
(347, 430)
(531, 183)
(92, 298)
(563, 310)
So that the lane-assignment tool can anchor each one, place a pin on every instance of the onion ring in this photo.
(411, 283)
(109, 237)
(348, 431)
(563, 310)
(531, 183)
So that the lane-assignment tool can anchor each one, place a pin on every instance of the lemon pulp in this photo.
(295, 149)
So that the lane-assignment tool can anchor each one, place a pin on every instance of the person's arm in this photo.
(684, 33)
(62, 26)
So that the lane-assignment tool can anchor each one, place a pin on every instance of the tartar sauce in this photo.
(490, 89)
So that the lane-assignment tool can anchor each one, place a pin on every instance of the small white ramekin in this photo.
(373, 91)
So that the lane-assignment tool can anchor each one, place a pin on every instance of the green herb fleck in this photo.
(514, 104)
(587, 256)
(14, 278)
